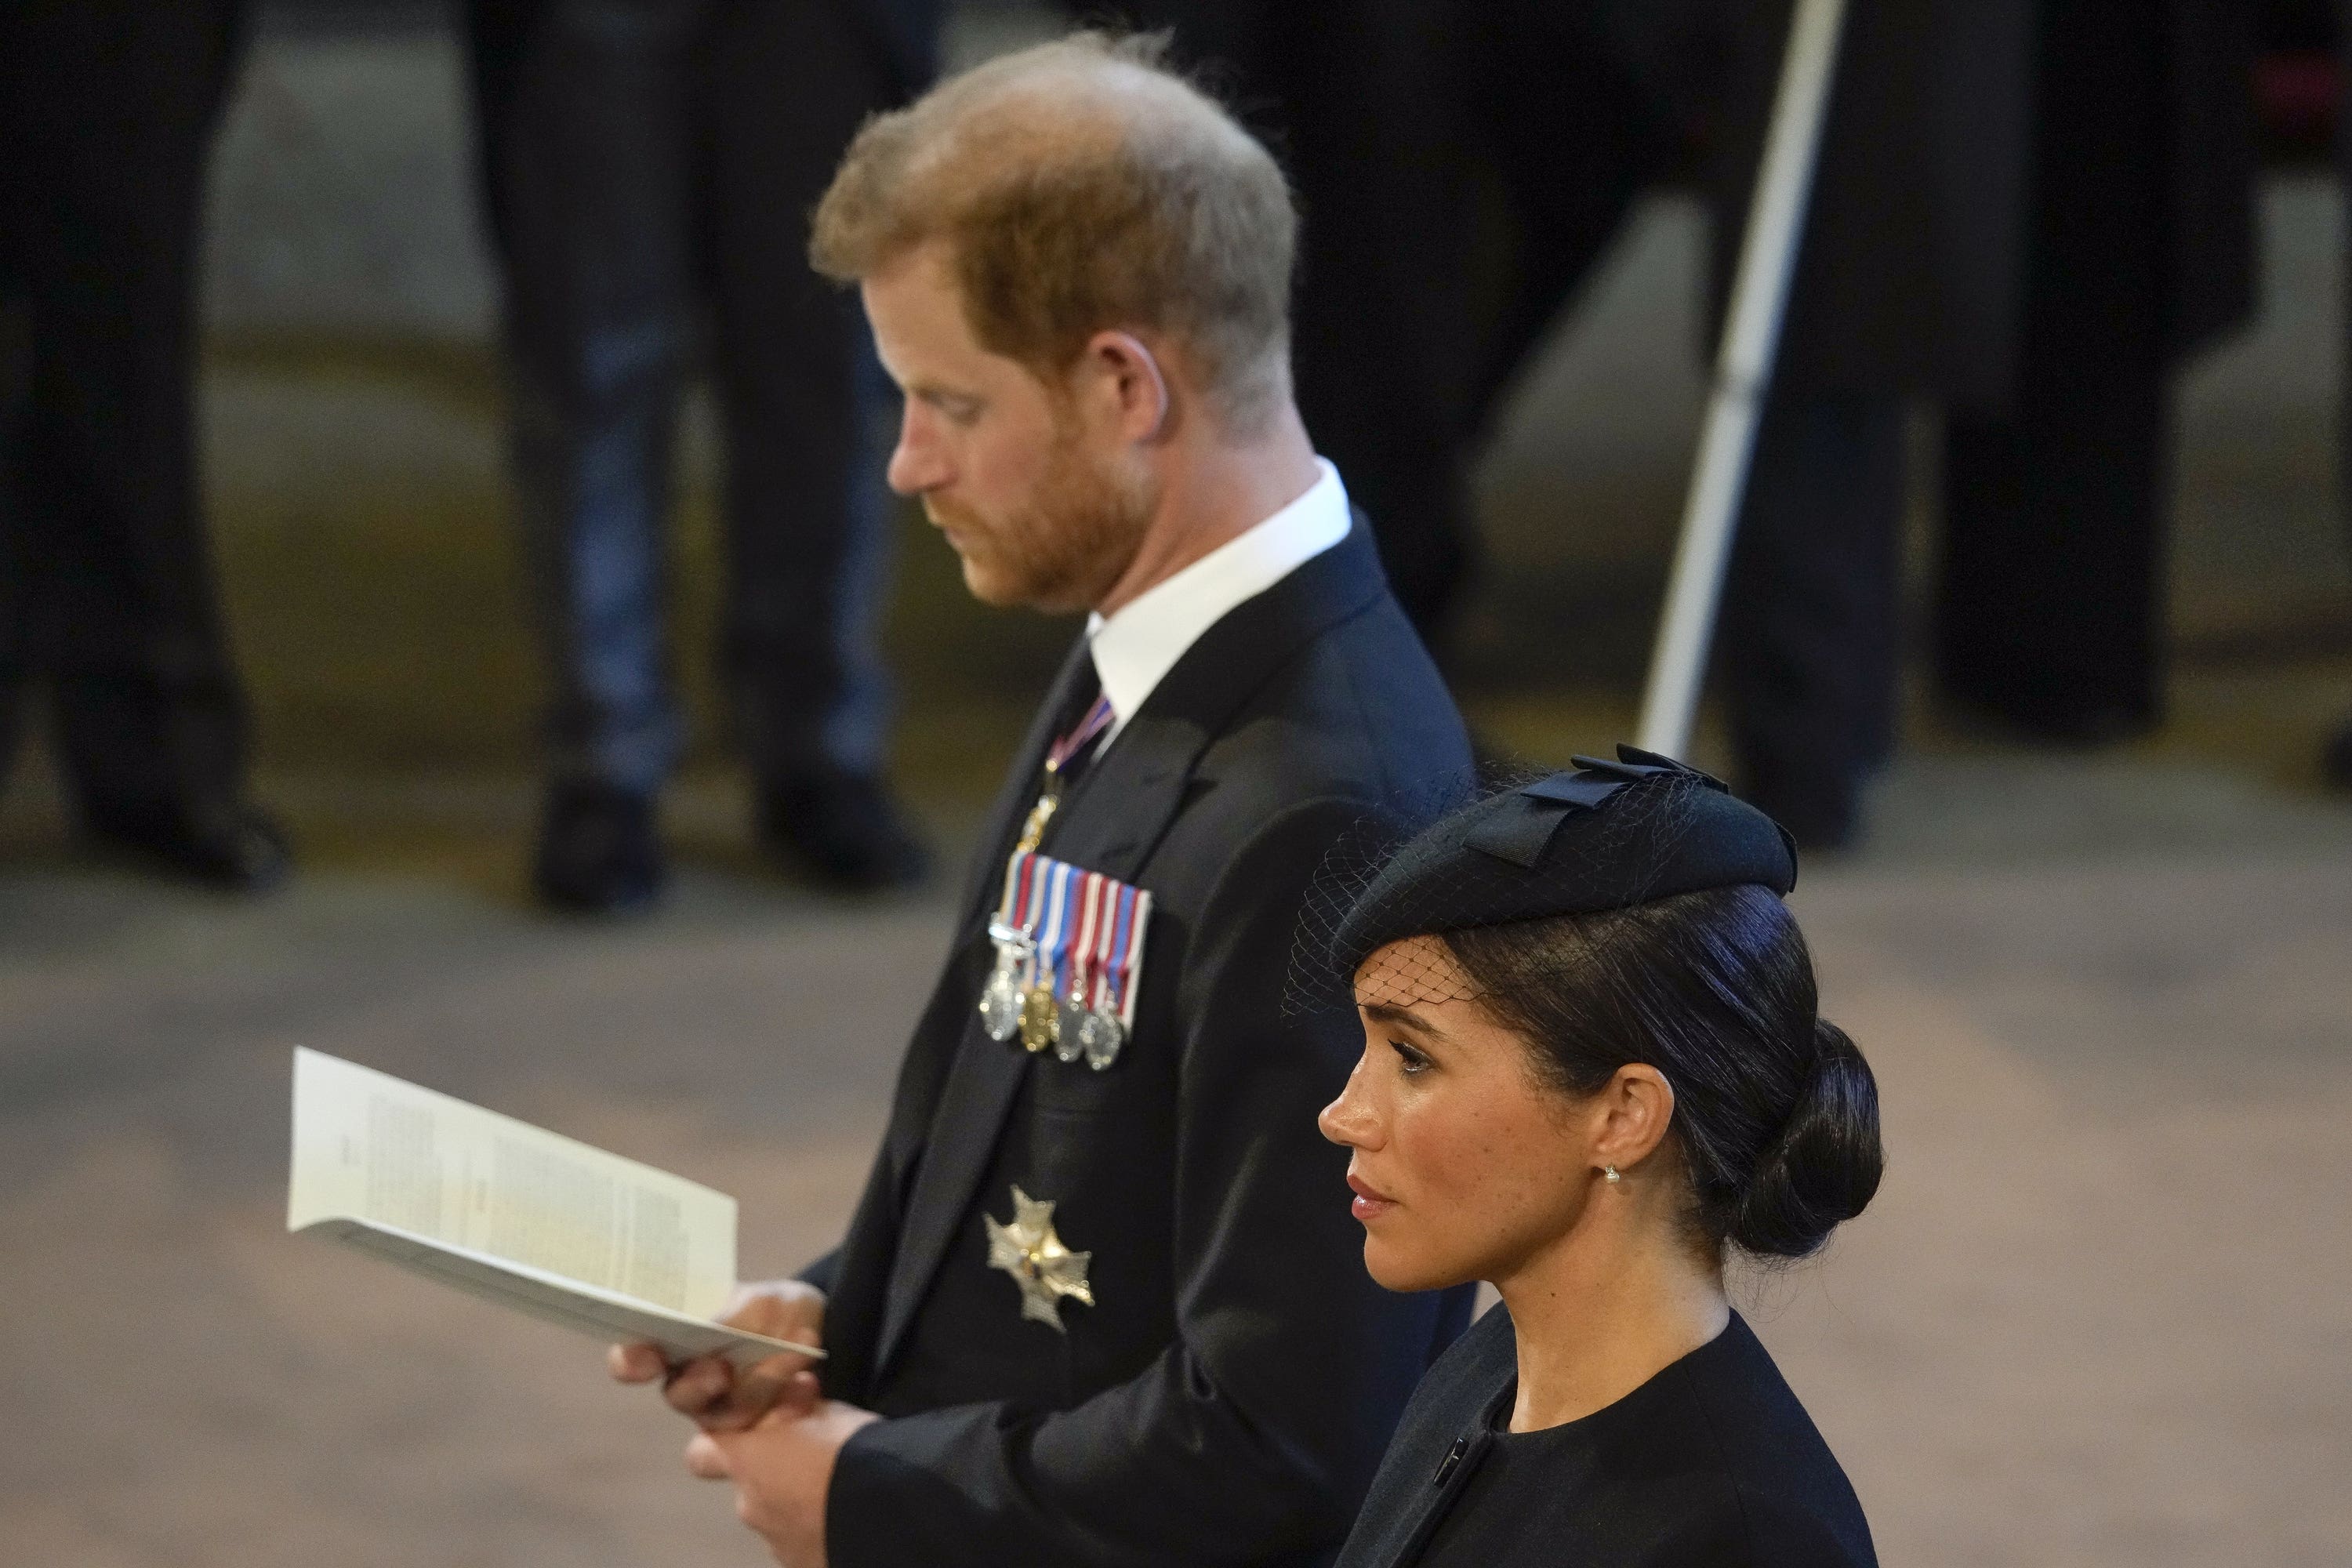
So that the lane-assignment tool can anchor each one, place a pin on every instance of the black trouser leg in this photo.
(2053, 574)
(586, 122)
(2052, 595)
(1806, 645)
(784, 87)
(2336, 761)
(15, 394)
(1577, 134)
(107, 110)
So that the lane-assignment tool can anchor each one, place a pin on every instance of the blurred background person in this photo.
(107, 596)
(647, 162)
(2335, 762)
(1363, 101)
(2029, 214)
(2138, 253)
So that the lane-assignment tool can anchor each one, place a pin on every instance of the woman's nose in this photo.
(1347, 1119)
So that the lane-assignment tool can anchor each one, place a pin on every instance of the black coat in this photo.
(1710, 1464)
(1227, 1398)
(1913, 275)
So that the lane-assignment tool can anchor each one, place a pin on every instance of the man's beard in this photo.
(1075, 541)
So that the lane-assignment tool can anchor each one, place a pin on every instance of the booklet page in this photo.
(368, 1147)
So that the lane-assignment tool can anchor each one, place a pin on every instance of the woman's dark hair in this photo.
(1775, 1111)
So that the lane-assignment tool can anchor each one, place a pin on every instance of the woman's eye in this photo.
(1411, 1062)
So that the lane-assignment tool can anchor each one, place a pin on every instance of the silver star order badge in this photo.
(1044, 1269)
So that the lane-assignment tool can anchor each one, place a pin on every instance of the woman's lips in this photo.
(1371, 1203)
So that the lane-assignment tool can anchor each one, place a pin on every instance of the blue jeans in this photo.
(649, 166)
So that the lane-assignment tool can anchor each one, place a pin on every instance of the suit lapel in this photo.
(1147, 783)
(1115, 817)
(1019, 791)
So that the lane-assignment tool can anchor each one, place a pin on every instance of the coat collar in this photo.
(1115, 817)
(1420, 1482)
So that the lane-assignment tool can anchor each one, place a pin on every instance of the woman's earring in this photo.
(1609, 1172)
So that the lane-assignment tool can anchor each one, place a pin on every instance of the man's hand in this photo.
(782, 1468)
(711, 1392)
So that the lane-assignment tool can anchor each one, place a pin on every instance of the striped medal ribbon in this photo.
(1069, 959)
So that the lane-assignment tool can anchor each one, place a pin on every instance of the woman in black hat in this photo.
(1592, 1067)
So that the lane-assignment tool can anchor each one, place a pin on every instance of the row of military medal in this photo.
(1070, 953)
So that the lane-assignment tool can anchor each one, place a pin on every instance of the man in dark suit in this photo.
(1102, 1299)
(107, 596)
(645, 161)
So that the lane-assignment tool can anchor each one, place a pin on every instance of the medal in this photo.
(1041, 1020)
(1100, 1034)
(1069, 1028)
(1000, 1004)
(1030, 1251)
(1000, 999)
(1069, 949)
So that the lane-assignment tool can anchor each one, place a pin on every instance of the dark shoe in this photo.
(2335, 762)
(228, 845)
(598, 851)
(844, 828)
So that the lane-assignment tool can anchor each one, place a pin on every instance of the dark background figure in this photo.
(2335, 763)
(2138, 254)
(107, 596)
(2029, 214)
(645, 162)
(1363, 100)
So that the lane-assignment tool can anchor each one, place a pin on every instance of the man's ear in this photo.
(1127, 375)
(1632, 1114)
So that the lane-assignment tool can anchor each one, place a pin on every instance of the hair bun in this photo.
(1823, 1166)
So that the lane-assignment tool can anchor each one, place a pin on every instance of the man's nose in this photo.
(916, 463)
(903, 471)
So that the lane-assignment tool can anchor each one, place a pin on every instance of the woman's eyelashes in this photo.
(1410, 1061)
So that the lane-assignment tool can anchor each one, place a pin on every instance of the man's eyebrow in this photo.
(1389, 1013)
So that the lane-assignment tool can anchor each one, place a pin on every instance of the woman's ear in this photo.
(1632, 1112)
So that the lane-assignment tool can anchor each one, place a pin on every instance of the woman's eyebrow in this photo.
(1388, 1013)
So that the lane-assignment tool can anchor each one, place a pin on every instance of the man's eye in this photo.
(1411, 1062)
(955, 410)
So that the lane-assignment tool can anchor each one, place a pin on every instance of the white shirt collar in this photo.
(1135, 645)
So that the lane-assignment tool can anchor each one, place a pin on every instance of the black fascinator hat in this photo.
(1604, 835)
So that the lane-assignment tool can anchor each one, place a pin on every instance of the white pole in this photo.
(1759, 300)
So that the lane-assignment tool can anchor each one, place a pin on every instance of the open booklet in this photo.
(513, 1214)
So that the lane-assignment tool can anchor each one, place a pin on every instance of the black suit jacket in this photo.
(1227, 1397)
